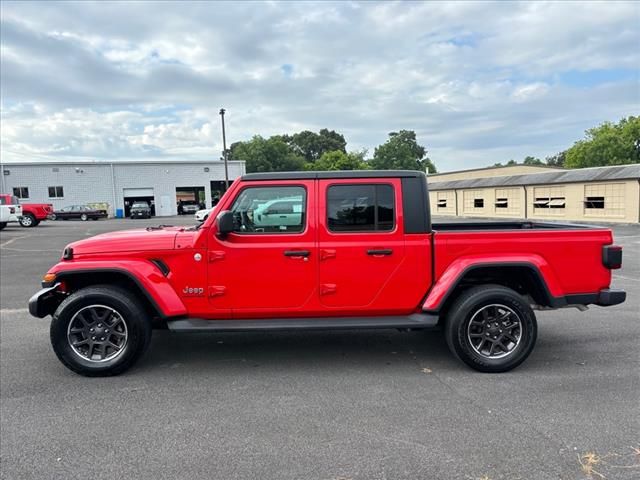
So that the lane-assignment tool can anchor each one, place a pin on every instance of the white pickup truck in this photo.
(10, 210)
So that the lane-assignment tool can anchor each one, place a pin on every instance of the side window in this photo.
(56, 192)
(360, 208)
(270, 210)
(21, 192)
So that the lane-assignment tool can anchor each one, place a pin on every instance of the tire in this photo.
(2, 225)
(86, 310)
(53, 217)
(84, 217)
(483, 323)
(36, 223)
(28, 221)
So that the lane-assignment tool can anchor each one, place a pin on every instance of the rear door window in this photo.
(360, 208)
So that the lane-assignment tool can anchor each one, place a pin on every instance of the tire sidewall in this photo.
(84, 217)
(461, 314)
(138, 329)
(30, 218)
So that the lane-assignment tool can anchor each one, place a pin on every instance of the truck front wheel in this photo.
(100, 331)
(491, 328)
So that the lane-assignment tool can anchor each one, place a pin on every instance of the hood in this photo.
(154, 238)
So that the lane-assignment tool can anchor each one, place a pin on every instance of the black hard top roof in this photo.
(333, 174)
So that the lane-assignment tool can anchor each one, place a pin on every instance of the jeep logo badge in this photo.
(193, 291)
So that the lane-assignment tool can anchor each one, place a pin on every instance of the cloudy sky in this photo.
(478, 82)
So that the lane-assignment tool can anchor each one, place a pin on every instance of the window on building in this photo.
(549, 202)
(594, 202)
(478, 203)
(21, 192)
(56, 192)
(442, 203)
(604, 200)
(358, 208)
(270, 210)
(502, 203)
(557, 202)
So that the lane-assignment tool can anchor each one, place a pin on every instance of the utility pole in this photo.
(224, 152)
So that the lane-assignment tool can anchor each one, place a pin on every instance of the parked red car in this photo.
(352, 250)
(32, 213)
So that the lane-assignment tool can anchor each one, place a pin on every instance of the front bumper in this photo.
(45, 301)
(608, 297)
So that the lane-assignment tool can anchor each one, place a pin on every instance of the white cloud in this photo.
(479, 82)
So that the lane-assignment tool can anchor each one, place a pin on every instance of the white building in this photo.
(118, 183)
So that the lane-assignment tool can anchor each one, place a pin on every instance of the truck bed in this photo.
(568, 256)
(474, 226)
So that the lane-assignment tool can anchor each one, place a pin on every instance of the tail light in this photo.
(612, 256)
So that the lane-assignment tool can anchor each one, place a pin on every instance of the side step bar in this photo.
(414, 321)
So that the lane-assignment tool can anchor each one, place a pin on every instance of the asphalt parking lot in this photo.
(321, 405)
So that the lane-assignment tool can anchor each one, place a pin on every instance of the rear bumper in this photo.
(45, 301)
(609, 297)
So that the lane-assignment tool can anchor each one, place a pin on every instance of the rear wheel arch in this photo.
(523, 278)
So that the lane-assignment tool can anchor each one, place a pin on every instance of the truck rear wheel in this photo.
(100, 331)
(491, 328)
(27, 220)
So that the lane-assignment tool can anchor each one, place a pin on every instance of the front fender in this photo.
(149, 278)
(458, 268)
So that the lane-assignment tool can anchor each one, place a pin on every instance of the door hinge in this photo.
(327, 288)
(217, 291)
(327, 253)
(216, 255)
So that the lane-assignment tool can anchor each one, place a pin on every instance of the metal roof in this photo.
(578, 175)
(498, 168)
(309, 175)
(133, 161)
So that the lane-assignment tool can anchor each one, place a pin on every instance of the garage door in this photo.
(138, 192)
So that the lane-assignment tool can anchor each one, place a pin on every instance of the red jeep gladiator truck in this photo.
(323, 250)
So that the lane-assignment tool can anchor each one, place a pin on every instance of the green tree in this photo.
(266, 155)
(557, 160)
(607, 144)
(338, 160)
(312, 146)
(402, 151)
(510, 162)
(529, 160)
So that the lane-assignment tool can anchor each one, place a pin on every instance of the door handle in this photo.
(297, 253)
(383, 251)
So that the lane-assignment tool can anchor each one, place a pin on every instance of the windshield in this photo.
(140, 205)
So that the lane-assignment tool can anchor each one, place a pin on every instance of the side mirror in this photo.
(224, 222)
